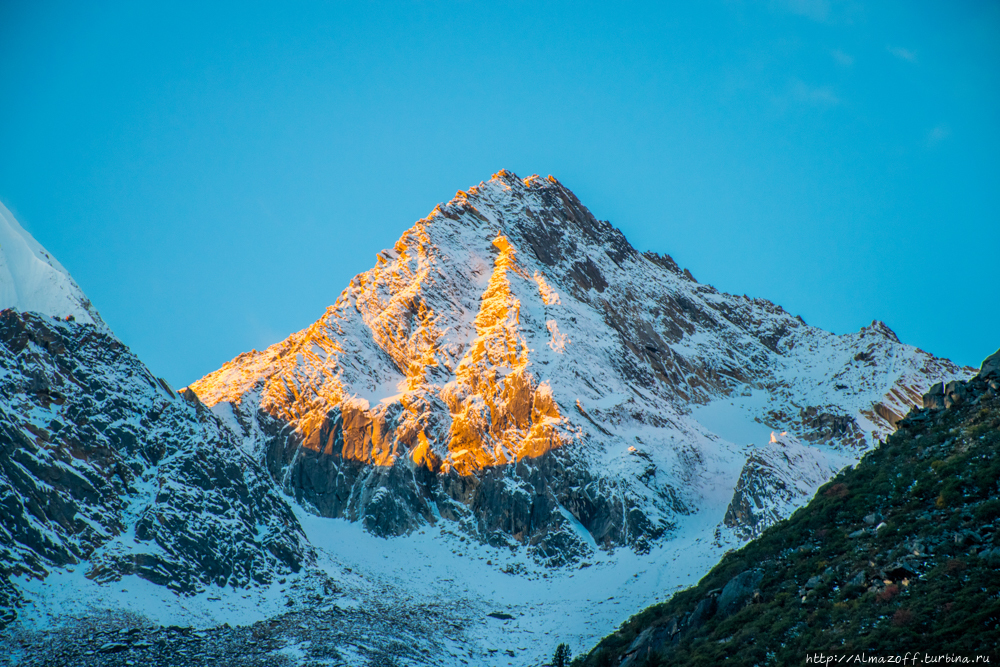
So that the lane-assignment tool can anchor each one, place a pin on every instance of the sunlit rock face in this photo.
(514, 364)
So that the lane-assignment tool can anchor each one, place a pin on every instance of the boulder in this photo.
(650, 641)
(954, 393)
(899, 571)
(702, 612)
(934, 398)
(991, 366)
(738, 592)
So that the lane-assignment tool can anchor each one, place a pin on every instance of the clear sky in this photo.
(213, 174)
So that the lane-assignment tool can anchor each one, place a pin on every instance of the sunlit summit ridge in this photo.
(512, 331)
(457, 329)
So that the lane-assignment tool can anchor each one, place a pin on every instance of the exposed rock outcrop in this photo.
(947, 395)
(102, 465)
(776, 479)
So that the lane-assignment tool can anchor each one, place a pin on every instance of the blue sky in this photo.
(213, 174)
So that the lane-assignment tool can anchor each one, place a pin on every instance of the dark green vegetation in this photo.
(901, 553)
(561, 657)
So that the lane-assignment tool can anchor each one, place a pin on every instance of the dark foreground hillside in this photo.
(900, 554)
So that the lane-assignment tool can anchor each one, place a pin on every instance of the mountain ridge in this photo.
(532, 410)
(104, 467)
(512, 322)
(31, 279)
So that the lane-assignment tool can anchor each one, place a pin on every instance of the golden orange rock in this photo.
(499, 410)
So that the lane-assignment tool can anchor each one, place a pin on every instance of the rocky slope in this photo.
(514, 364)
(901, 554)
(104, 467)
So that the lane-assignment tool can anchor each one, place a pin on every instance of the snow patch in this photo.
(32, 280)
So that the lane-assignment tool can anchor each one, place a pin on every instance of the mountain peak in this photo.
(507, 176)
(511, 334)
(881, 328)
(32, 280)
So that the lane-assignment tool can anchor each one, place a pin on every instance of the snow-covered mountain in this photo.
(105, 468)
(531, 428)
(513, 364)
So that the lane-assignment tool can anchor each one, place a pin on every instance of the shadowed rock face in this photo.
(94, 449)
(774, 481)
(513, 363)
(523, 503)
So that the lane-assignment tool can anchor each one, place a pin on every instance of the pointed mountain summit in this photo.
(514, 364)
(31, 279)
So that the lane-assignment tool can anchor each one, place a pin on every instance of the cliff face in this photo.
(513, 363)
(104, 467)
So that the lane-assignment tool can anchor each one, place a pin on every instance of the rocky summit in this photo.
(514, 429)
(514, 364)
